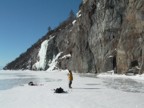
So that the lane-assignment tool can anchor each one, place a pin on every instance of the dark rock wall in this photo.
(131, 42)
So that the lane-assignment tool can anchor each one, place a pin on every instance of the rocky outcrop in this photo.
(131, 42)
(106, 35)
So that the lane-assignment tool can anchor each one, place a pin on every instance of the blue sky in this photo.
(23, 22)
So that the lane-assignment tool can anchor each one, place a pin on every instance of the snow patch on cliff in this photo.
(98, 6)
(79, 14)
(74, 22)
(66, 56)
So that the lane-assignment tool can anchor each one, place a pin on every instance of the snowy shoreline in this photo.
(87, 92)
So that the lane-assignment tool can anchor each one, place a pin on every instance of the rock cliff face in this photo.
(106, 35)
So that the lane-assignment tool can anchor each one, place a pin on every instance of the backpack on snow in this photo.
(59, 90)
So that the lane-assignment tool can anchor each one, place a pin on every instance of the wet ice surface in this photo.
(20, 80)
(10, 83)
(127, 85)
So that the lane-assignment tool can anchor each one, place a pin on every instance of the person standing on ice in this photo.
(70, 77)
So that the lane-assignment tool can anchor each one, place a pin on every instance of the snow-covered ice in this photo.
(102, 91)
(41, 64)
(52, 65)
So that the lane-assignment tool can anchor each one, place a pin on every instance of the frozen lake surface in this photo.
(89, 91)
(10, 80)
(20, 79)
(127, 85)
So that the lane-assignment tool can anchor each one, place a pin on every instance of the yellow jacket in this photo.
(70, 76)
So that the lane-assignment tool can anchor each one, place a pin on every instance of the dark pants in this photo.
(70, 83)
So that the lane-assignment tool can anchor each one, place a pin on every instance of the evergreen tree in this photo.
(49, 28)
(71, 15)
